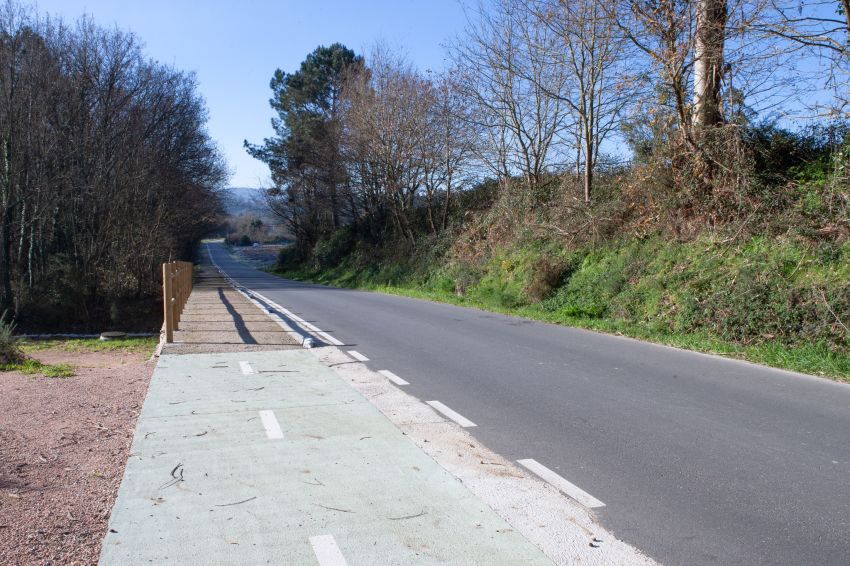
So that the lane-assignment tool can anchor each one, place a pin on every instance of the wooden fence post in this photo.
(168, 308)
(176, 288)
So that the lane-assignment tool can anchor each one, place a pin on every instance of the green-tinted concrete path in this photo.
(271, 458)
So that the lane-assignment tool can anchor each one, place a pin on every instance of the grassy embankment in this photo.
(779, 302)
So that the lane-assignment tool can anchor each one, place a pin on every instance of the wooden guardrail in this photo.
(176, 288)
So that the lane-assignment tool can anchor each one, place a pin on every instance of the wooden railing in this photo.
(176, 288)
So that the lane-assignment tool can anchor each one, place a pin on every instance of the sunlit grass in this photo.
(146, 345)
(33, 367)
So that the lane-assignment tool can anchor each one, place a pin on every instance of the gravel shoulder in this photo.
(63, 446)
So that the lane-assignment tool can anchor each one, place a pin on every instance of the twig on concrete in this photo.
(236, 502)
(407, 516)
(333, 508)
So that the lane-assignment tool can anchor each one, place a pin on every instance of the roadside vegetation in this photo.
(659, 170)
(746, 301)
(107, 171)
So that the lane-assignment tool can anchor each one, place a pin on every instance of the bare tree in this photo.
(664, 31)
(504, 69)
(821, 29)
(386, 116)
(106, 169)
(595, 58)
(446, 148)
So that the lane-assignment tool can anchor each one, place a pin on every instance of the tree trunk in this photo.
(708, 63)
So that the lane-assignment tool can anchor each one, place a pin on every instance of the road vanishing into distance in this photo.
(698, 459)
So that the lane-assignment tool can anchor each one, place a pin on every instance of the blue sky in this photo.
(235, 46)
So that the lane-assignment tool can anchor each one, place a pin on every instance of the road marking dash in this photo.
(326, 551)
(358, 356)
(560, 483)
(456, 417)
(246, 368)
(271, 425)
(393, 377)
(330, 338)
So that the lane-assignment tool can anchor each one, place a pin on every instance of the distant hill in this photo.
(245, 200)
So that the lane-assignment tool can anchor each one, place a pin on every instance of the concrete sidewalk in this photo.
(270, 457)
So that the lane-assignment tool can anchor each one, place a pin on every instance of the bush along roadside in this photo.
(13, 358)
(779, 302)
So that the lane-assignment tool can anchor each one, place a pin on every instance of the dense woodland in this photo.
(106, 171)
(680, 165)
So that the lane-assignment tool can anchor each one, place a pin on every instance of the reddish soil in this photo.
(63, 447)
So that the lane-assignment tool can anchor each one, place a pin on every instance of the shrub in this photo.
(287, 258)
(9, 351)
(546, 275)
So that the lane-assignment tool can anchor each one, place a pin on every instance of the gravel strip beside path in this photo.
(63, 447)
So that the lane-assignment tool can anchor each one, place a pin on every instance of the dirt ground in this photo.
(63, 447)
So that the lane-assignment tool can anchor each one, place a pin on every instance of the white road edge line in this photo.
(326, 551)
(271, 425)
(358, 356)
(246, 368)
(392, 377)
(560, 483)
(456, 417)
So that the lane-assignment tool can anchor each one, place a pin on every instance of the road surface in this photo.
(698, 459)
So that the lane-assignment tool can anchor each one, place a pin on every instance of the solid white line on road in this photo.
(326, 551)
(246, 368)
(358, 356)
(311, 327)
(461, 420)
(271, 425)
(392, 377)
(560, 483)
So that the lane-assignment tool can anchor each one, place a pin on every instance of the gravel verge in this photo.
(63, 446)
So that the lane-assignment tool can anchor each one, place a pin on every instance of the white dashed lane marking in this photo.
(246, 368)
(271, 425)
(456, 417)
(560, 483)
(326, 551)
(392, 377)
(358, 356)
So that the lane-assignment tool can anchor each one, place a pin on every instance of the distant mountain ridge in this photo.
(245, 200)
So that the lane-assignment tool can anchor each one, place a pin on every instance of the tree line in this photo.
(106, 171)
(543, 96)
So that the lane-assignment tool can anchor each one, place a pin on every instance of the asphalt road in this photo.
(699, 459)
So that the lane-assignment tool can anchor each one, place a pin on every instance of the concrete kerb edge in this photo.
(560, 527)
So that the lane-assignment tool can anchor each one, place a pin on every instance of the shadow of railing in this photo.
(241, 328)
